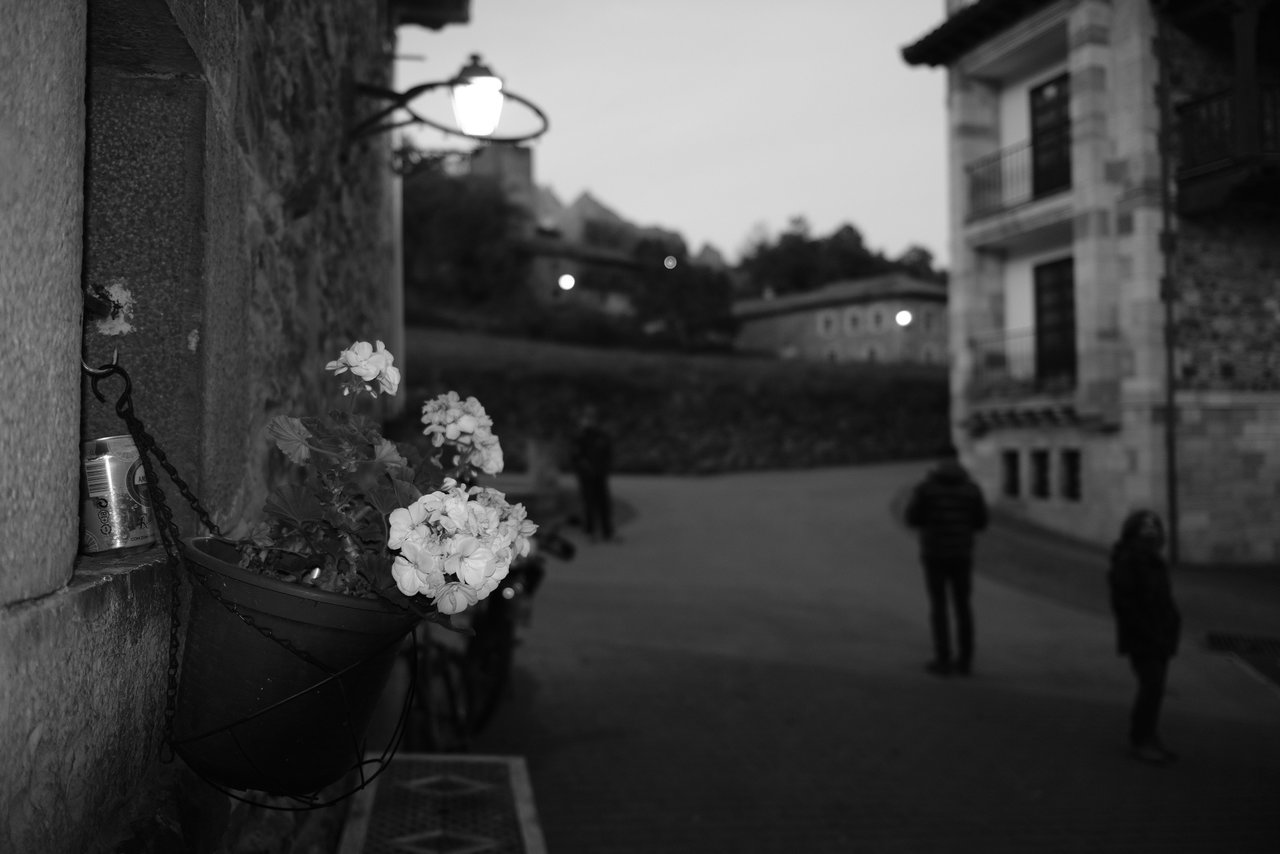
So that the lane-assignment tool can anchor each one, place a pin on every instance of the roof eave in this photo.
(967, 29)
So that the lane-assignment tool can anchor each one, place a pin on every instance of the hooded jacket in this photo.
(1148, 623)
(947, 509)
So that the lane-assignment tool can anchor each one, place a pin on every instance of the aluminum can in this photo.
(115, 504)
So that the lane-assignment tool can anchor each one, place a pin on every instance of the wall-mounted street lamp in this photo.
(477, 96)
(903, 318)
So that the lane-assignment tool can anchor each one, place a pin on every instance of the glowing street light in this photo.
(566, 282)
(476, 94)
(903, 318)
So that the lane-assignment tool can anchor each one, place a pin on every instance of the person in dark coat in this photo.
(591, 458)
(1148, 624)
(947, 510)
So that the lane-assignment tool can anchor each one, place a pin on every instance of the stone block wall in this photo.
(187, 163)
(1226, 275)
(1228, 306)
(1229, 477)
(1104, 475)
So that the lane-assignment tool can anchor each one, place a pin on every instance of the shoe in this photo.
(938, 668)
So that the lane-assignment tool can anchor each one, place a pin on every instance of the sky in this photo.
(715, 118)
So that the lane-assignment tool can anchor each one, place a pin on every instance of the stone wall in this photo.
(191, 169)
(1226, 274)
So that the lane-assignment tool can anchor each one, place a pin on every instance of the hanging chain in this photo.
(171, 537)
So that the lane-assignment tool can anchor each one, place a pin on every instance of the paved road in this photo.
(743, 673)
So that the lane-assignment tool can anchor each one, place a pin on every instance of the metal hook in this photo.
(105, 370)
(96, 375)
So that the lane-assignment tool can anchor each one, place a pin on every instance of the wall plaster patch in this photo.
(118, 323)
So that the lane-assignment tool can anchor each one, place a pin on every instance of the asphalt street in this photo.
(743, 672)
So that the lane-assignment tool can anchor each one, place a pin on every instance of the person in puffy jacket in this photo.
(1148, 624)
(947, 510)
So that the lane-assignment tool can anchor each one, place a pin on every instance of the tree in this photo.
(687, 301)
(460, 247)
(918, 261)
(796, 262)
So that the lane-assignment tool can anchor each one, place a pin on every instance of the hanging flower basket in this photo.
(295, 628)
(278, 680)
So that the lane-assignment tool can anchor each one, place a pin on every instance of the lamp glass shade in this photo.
(477, 104)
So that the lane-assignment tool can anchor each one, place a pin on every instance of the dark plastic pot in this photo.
(253, 715)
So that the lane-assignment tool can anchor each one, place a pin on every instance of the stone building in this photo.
(179, 191)
(859, 320)
(1115, 288)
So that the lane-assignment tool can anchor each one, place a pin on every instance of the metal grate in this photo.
(445, 804)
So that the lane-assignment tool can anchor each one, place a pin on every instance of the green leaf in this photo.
(386, 453)
(295, 505)
(291, 438)
(392, 493)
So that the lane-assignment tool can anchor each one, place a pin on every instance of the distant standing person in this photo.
(947, 510)
(591, 457)
(1148, 625)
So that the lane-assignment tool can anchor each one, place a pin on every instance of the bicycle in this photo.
(461, 677)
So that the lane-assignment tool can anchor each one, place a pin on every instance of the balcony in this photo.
(1014, 366)
(1229, 149)
(1017, 382)
(1015, 176)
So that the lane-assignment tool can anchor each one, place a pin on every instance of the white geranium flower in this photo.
(369, 362)
(470, 561)
(454, 598)
(464, 424)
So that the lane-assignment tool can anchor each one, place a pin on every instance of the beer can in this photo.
(115, 503)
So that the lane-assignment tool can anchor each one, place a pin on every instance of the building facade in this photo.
(1115, 289)
(859, 320)
(181, 193)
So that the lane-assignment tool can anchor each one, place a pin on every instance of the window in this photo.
(870, 354)
(877, 319)
(827, 323)
(1011, 471)
(1055, 319)
(1040, 474)
(1050, 137)
(926, 319)
(1069, 471)
(851, 321)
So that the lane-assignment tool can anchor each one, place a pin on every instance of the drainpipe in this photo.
(1168, 246)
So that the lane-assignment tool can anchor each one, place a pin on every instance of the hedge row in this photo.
(688, 415)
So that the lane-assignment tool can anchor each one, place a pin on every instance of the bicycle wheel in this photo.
(442, 704)
(488, 670)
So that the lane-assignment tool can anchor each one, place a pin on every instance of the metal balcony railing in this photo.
(1014, 176)
(1208, 131)
(1009, 365)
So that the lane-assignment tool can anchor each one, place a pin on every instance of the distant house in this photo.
(888, 318)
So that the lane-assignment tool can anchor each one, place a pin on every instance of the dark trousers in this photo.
(950, 582)
(1145, 715)
(597, 504)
